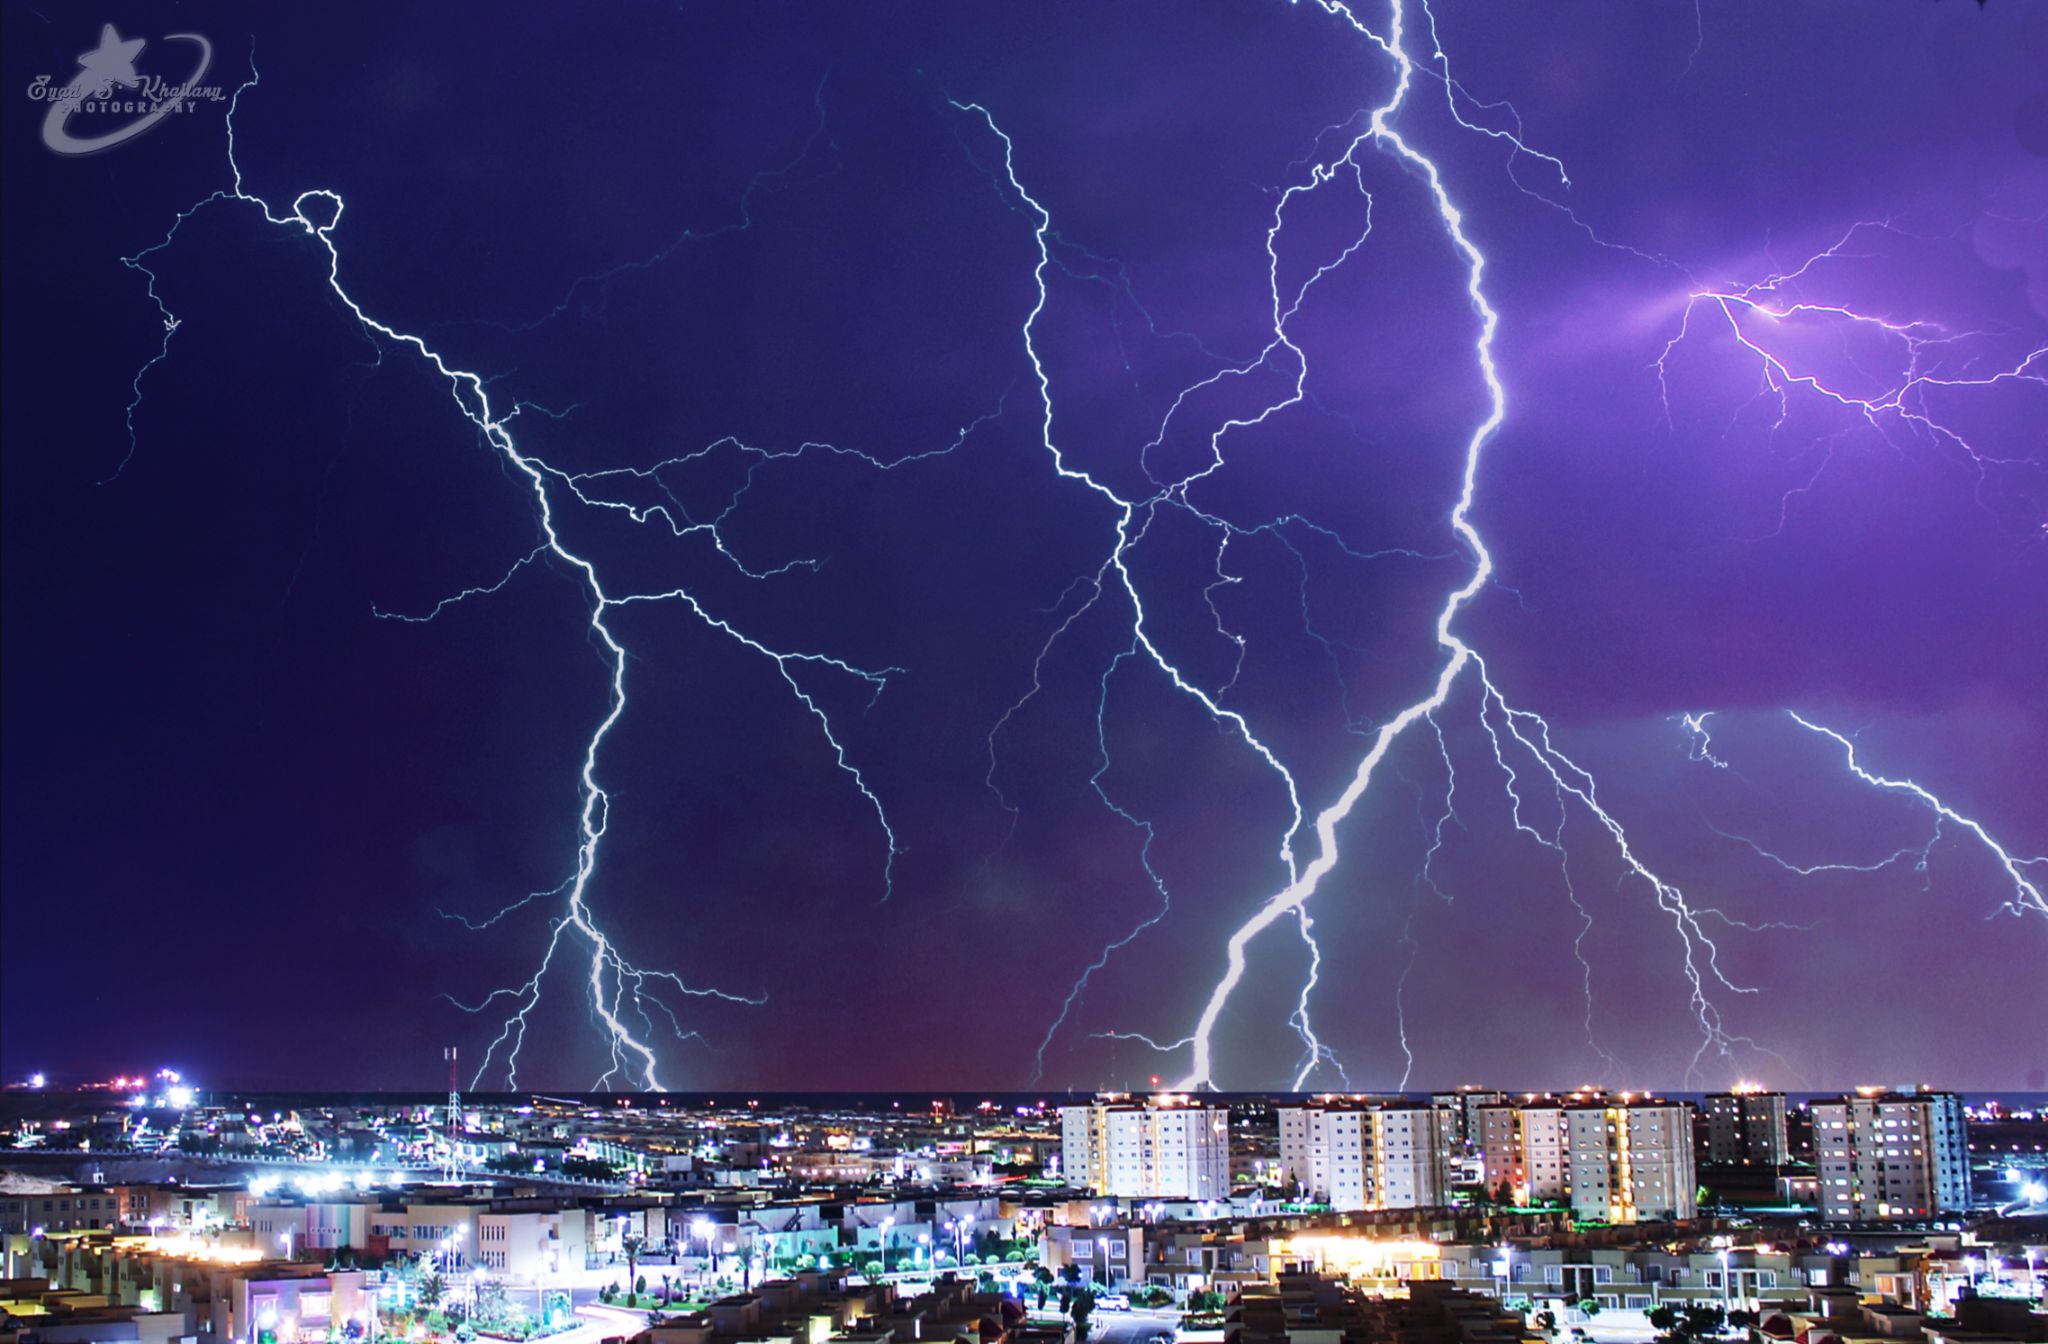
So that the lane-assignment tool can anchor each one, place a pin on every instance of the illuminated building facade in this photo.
(1616, 1159)
(1631, 1161)
(1891, 1155)
(1161, 1148)
(1355, 1155)
(1461, 1113)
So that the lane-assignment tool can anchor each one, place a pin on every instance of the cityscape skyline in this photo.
(1039, 549)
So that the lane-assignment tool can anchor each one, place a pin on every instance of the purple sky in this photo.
(249, 806)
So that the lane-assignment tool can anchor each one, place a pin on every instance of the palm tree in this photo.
(633, 1243)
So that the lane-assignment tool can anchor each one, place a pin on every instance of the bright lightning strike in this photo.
(1905, 378)
(619, 990)
(2026, 891)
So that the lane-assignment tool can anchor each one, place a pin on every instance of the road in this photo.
(602, 1323)
(1131, 1327)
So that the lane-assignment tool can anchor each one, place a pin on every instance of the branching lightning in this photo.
(617, 986)
(2026, 891)
(1924, 362)
(633, 1006)
(1700, 954)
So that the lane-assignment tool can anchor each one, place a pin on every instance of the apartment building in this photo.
(1360, 1155)
(1747, 1128)
(1461, 1112)
(1891, 1155)
(1163, 1147)
(1618, 1158)
(1522, 1146)
(1631, 1160)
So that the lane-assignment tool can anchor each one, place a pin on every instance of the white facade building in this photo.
(1891, 1155)
(1619, 1159)
(1632, 1161)
(1357, 1156)
(1162, 1148)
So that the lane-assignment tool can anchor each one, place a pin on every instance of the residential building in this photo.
(58, 1208)
(1618, 1158)
(1891, 1155)
(1163, 1147)
(1461, 1112)
(1362, 1155)
(1747, 1128)
(1631, 1160)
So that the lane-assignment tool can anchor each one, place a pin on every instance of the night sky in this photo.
(754, 291)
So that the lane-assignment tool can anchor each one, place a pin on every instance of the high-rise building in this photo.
(1165, 1147)
(1746, 1128)
(1891, 1155)
(1522, 1146)
(1620, 1158)
(1461, 1113)
(1355, 1154)
(1631, 1160)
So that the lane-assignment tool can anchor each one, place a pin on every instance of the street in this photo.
(601, 1323)
(1138, 1326)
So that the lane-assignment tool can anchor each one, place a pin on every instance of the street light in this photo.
(887, 1223)
(700, 1227)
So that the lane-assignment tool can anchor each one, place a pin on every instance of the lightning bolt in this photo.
(1702, 739)
(1305, 880)
(619, 991)
(1926, 363)
(1701, 956)
(1133, 518)
(2026, 891)
(2026, 894)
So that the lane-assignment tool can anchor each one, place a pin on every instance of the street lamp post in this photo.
(701, 1229)
(887, 1223)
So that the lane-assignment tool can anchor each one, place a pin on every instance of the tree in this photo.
(432, 1289)
(1685, 1324)
(1043, 1278)
(1081, 1308)
(632, 1245)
